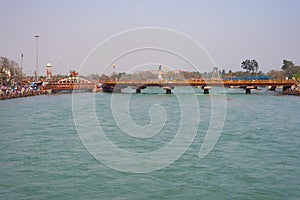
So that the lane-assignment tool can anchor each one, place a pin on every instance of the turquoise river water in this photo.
(257, 155)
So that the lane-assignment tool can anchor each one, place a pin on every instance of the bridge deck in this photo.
(201, 83)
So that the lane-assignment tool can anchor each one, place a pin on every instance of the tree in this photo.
(103, 77)
(287, 64)
(9, 70)
(246, 65)
(250, 65)
(276, 74)
(4, 62)
(93, 77)
(223, 73)
(118, 76)
(297, 77)
(254, 65)
(290, 69)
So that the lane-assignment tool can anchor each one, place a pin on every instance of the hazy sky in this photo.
(230, 30)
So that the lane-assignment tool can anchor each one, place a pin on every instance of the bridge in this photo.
(70, 84)
(109, 86)
(117, 86)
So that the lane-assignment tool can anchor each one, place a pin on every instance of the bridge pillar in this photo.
(206, 89)
(285, 87)
(107, 88)
(248, 91)
(138, 91)
(168, 89)
(272, 88)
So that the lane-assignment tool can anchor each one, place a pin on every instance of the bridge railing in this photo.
(202, 82)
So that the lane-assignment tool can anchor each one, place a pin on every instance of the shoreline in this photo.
(294, 93)
(20, 95)
(294, 90)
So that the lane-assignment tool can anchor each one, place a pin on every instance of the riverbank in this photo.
(22, 95)
(295, 93)
(30, 93)
(294, 90)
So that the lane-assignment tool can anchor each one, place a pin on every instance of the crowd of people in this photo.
(18, 90)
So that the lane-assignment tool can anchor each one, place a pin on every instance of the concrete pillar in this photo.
(206, 89)
(286, 87)
(272, 88)
(138, 91)
(107, 88)
(248, 91)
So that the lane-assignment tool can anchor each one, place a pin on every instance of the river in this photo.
(257, 154)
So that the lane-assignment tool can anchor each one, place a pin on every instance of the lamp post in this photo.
(21, 69)
(37, 60)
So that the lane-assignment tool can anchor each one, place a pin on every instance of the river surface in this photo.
(257, 154)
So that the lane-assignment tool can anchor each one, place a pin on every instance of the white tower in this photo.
(49, 71)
